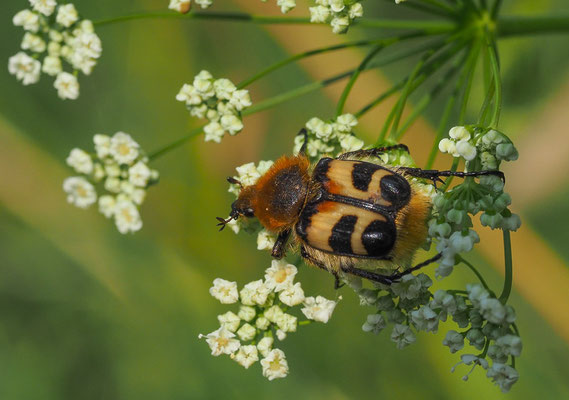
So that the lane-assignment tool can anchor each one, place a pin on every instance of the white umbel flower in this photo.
(46, 7)
(79, 191)
(229, 320)
(292, 295)
(182, 6)
(107, 205)
(127, 217)
(221, 341)
(246, 332)
(139, 174)
(224, 291)
(27, 19)
(265, 345)
(247, 356)
(318, 309)
(51, 65)
(80, 161)
(204, 3)
(33, 43)
(275, 365)
(255, 292)
(123, 148)
(67, 15)
(25, 68)
(67, 86)
(280, 275)
(286, 5)
(319, 14)
(265, 240)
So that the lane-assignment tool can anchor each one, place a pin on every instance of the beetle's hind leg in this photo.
(304, 254)
(369, 275)
(398, 276)
(374, 152)
(435, 175)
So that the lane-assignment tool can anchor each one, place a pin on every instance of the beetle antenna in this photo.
(223, 222)
(234, 181)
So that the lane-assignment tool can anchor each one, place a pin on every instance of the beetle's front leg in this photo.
(279, 246)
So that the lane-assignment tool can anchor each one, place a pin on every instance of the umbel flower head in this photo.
(56, 37)
(119, 168)
(184, 6)
(264, 313)
(338, 13)
(217, 100)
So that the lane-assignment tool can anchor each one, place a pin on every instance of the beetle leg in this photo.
(279, 246)
(397, 276)
(375, 152)
(369, 275)
(435, 175)
(304, 254)
(302, 150)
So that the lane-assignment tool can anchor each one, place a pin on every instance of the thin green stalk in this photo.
(177, 143)
(508, 26)
(430, 27)
(486, 105)
(396, 117)
(507, 267)
(471, 67)
(492, 54)
(429, 8)
(354, 77)
(496, 8)
(305, 322)
(478, 274)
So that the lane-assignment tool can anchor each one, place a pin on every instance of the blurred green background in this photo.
(86, 313)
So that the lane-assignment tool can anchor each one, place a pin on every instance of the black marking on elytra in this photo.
(362, 174)
(379, 237)
(320, 173)
(305, 220)
(290, 192)
(341, 238)
(395, 189)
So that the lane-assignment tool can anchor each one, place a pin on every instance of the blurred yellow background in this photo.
(87, 313)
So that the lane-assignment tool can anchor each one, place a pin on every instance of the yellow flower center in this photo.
(280, 276)
(124, 149)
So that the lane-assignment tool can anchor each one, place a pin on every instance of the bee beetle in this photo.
(343, 212)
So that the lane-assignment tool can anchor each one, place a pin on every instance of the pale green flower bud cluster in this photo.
(248, 335)
(184, 6)
(119, 167)
(329, 138)
(340, 14)
(217, 100)
(55, 33)
(285, 5)
(483, 149)
(409, 306)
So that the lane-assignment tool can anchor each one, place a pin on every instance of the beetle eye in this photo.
(249, 212)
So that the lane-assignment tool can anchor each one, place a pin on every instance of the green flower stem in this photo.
(496, 8)
(354, 77)
(470, 58)
(407, 89)
(430, 27)
(305, 322)
(471, 68)
(485, 350)
(507, 267)
(508, 26)
(177, 143)
(493, 56)
(478, 274)
(430, 7)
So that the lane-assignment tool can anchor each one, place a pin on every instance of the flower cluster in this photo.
(217, 100)
(409, 306)
(483, 149)
(55, 33)
(120, 168)
(263, 304)
(285, 5)
(331, 138)
(338, 13)
(184, 6)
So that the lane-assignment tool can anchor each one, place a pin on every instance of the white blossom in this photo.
(292, 295)
(139, 174)
(229, 321)
(286, 5)
(182, 6)
(275, 365)
(375, 323)
(123, 148)
(51, 65)
(274, 313)
(287, 322)
(27, 19)
(107, 205)
(33, 43)
(25, 68)
(262, 323)
(46, 7)
(459, 133)
(67, 15)
(466, 150)
(213, 132)
(425, 319)
(246, 355)
(80, 161)
(280, 275)
(265, 345)
(403, 336)
(67, 86)
(265, 240)
(318, 309)
(222, 341)
(503, 375)
(224, 291)
(454, 340)
(255, 292)
(246, 332)
(127, 218)
(246, 313)
(319, 14)
(79, 191)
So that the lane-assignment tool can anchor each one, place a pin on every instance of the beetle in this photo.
(344, 213)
